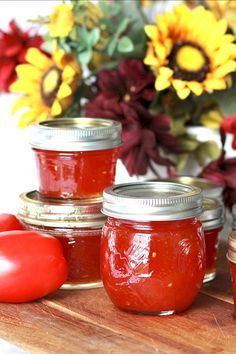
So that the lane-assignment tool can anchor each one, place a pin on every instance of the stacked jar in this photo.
(76, 159)
(212, 217)
(231, 255)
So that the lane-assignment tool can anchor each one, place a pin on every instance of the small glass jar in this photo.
(231, 256)
(78, 227)
(75, 157)
(209, 188)
(153, 248)
(212, 220)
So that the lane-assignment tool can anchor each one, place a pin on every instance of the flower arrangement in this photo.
(108, 59)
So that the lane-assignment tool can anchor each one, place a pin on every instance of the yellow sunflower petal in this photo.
(151, 32)
(184, 93)
(21, 102)
(23, 86)
(26, 119)
(166, 72)
(161, 84)
(56, 109)
(195, 87)
(215, 84)
(68, 72)
(64, 91)
(225, 69)
(178, 84)
(28, 72)
(35, 57)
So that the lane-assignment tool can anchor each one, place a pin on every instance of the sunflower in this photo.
(224, 9)
(190, 51)
(61, 21)
(47, 83)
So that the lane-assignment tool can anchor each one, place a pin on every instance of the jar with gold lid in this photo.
(76, 225)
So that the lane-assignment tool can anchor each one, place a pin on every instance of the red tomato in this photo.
(32, 265)
(9, 222)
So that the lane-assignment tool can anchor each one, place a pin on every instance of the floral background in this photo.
(164, 69)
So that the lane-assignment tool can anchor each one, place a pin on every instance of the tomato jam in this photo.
(78, 227)
(212, 220)
(153, 249)
(75, 157)
(231, 255)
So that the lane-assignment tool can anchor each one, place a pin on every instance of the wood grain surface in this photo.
(86, 321)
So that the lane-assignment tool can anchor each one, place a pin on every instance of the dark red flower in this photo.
(13, 47)
(125, 95)
(223, 172)
(229, 126)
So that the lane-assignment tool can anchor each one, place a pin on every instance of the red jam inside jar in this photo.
(152, 267)
(212, 221)
(78, 174)
(231, 256)
(78, 227)
(75, 157)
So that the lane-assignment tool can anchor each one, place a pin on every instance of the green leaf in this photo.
(85, 57)
(112, 9)
(122, 26)
(112, 46)
(125, 45)
(94, 36)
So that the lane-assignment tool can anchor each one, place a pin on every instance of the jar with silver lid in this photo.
(75, 157)
(212, 220)
(231, 256)
(152, 249)
(76, 225)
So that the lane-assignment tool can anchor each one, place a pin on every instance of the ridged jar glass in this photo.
(75, 157)
(212, 220)
(153, 249)
(77, 225)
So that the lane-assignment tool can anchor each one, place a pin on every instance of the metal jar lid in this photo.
(152, 201)
(234, 216)
(75, 134)
(213, 214)
(209, 188)
(36, 210)
(231, 255)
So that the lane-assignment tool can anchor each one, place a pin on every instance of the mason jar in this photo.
(77, 225)
(153, 248)
(75, 157)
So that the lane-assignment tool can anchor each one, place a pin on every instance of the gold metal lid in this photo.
(231, 255)
(38, 210)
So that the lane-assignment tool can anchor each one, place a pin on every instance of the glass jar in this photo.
(212, 220)
(209, 188)
(75, 157)
(231, 256)
(152, 249)
(78, 227)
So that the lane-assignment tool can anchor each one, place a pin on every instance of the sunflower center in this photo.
(50, 84)
(189, 62)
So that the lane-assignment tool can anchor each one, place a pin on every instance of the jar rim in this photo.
(213, 213)
(41, 211)
(152, 201)
(75, 134)
(210, 189)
